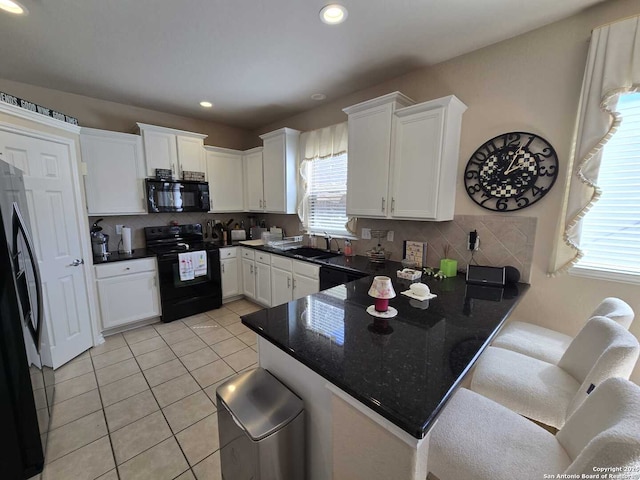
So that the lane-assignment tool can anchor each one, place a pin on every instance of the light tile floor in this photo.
(142, 405)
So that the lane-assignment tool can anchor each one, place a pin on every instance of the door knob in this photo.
(76, 263)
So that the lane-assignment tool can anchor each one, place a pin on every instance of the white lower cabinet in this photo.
(230, 272)
(272, 279)
(263, 283)
(306, 279)
(248, 278)
(281, 280)
(127, 291)
(292, 279)
(256, 276)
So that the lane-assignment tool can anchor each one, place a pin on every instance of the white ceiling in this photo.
(257, 60)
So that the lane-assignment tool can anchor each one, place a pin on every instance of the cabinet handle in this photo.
(288, 282)
(252, 269)
(393, 204)
(222, 265)
(210, 204)
(294, 283)
(173, 169)
(383, 204)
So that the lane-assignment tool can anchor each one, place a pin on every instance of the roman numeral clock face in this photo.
(511, 171)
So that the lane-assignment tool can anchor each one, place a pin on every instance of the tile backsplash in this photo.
(504, 240)
(138, 222)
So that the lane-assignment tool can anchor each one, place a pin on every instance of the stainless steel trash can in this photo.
(261, 428)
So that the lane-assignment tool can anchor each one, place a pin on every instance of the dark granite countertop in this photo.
(405, 371)
(355, 263)
(121, 256)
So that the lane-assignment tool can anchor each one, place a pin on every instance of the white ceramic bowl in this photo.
(420, 289)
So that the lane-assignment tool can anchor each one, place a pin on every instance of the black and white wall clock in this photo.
(511, 171)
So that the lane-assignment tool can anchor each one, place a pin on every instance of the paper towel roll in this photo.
(126, 239)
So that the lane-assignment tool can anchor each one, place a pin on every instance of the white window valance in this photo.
(322, 183)
(613, 69)
(324, 142)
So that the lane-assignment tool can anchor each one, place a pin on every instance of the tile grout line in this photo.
(165, 418)
(104, 414)
(201, 389)
(106, 425)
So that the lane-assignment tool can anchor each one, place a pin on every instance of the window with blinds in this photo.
(610, 235)
(327, 195)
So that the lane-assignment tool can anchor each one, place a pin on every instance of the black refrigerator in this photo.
(26, 385)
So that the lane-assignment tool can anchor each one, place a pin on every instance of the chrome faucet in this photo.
(327, 238)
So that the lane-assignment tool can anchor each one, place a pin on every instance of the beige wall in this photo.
(119, 117)
(529, 83)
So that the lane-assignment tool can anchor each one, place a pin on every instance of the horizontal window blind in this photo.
(610, 235)
(327, 195)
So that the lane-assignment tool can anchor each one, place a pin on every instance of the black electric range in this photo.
(182, 297)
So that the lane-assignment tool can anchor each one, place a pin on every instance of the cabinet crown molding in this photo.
(107, 133)
(449, 101)
(280, 131)
(145, 126)
(399, 98)
(211, 148)
(253, 150)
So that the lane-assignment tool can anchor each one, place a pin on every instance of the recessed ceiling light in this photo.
(13, 7)
(206, 104)
(333, 14)
(318, 96)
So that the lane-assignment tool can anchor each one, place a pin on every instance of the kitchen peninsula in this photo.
(373, 389)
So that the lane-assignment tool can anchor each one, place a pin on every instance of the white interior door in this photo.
(54, 206)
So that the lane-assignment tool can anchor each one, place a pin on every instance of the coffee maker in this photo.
(99, 240)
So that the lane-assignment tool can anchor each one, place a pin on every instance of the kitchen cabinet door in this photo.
(229, 268)
(190, 154)
(263, 283)
(368, 162)
(114, 182)
(248, 278)
(126, 299)
(281, 286)
(424, 162)
(304, 286)
(224, 173)
(253, 181)
(416, 165)
(279, 160)
(160, 151)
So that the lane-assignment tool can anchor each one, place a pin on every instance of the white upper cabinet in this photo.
(270, 173)
(253, 181)
(172, 149)
(224, 173)
(424, 160)
(410, 173)
(114, 182)
(370, 125)
(191, 153)
(279, 169)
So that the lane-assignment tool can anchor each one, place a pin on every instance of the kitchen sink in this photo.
(312, 253)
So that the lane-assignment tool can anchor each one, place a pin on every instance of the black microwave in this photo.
(176, 196)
